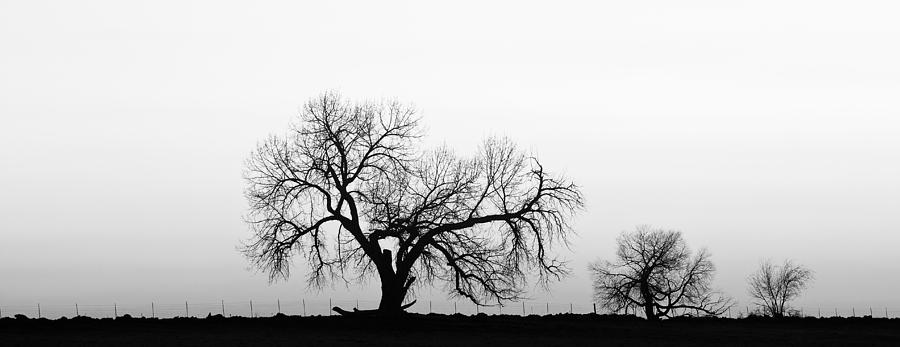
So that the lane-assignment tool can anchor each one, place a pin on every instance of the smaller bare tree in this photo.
(655, 271)
(774, 286)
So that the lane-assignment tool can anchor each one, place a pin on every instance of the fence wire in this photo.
(322, 307)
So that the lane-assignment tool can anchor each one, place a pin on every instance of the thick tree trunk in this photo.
(392, 297)
(394, 287)
(649, 310)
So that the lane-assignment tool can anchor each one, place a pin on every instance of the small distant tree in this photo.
(773, 287)
(655, 271)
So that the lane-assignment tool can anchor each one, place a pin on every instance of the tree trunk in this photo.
(778, 312)
(393, 291)
(392, 296)
(649, 312)
(394, 287)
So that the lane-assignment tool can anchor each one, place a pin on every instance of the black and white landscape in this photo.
(505, 172)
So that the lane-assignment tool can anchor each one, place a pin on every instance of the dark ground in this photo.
(456, 330)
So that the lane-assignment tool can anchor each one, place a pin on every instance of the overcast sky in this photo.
(761, 129)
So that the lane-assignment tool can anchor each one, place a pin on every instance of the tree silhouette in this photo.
(655, 271)
(774, 286)
(351, 189)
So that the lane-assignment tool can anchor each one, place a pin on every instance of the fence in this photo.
(320, 307)
(267, 308)
(827, 312)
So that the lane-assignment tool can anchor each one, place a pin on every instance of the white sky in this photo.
(762, 129)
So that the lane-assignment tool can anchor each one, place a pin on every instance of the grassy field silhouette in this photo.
(450, 330)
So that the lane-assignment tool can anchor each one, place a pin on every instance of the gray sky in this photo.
(761, 129)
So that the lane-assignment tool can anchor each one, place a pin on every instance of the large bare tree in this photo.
(351, 189)
(773, 286)
(655, 271)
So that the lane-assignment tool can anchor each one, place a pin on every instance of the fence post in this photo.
(357, 304)
(835, 312)
(329, 306)
(454, 307)
(595, 308)
(39, 310)
(76, 310)
(304, 306)
(476, 309)
(820, 312)
(570, 308)
(854, 311)
(523, 308)
(187, 313)
(152, 310)
(429, 305)
(279, 305)
(115, 310)
(548, 308)
(251, 308)
(223, 308)
(870, 312)
(885, 313)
